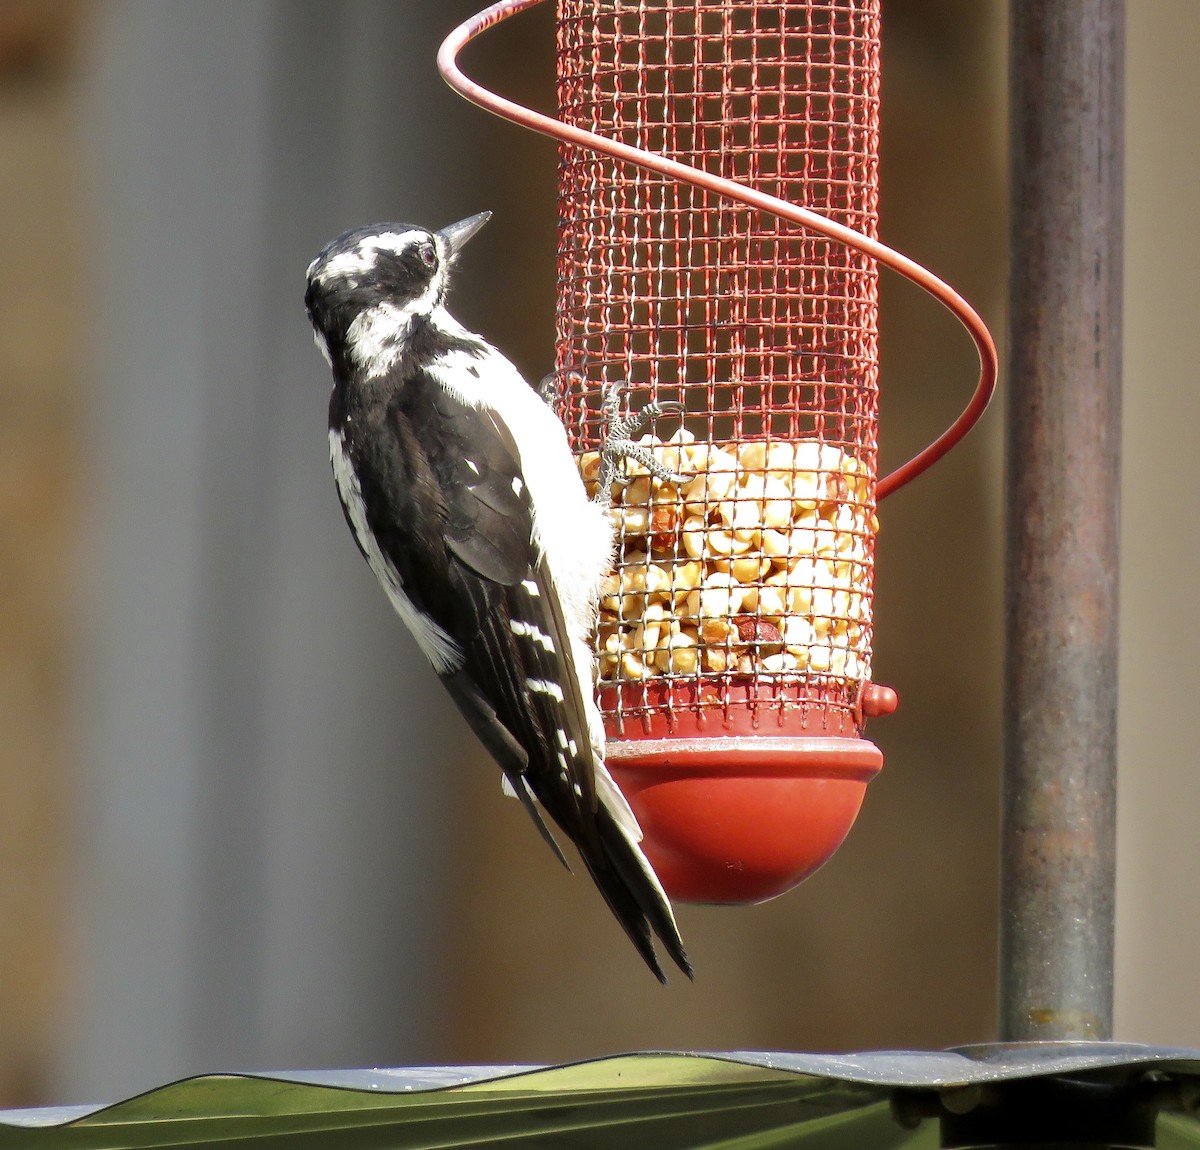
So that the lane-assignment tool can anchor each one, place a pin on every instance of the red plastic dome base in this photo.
(738, 810)
(742, 819)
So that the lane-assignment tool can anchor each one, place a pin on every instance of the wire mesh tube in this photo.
(759, 570)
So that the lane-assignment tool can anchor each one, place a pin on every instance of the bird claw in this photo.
(548, 390)
(619, 443)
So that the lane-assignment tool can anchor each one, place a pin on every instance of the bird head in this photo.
(369, 288)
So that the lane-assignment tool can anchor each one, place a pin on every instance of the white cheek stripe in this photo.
(344, 265)
(376, 335)
(436, 645)
(349, 264)
(394, 242)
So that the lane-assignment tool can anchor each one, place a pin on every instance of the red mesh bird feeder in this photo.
(734, 641)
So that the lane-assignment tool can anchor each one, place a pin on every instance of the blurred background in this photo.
(240, 828)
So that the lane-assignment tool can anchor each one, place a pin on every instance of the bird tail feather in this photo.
(632, 889)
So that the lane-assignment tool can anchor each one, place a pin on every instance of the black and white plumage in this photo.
(460, 488)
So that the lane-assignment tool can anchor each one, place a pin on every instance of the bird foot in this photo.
(548, 390)
(619, 443)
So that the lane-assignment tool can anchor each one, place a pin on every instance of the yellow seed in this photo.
(770, 603)
(780, 663)
(753, 455)
(656, 580)
(775, 543)
(825, 542)
(693, 537)
(751, 536)
(589, 464)
(643, 638)
(749, 568)
(796, 596)
(711, 457)
(799, 600)
(684, 661)
(777, 456)
(723, 593)
(781, 460)
(852, 549)
(715, 599)
(715, 631)
(776, 504)
(837, 661)
(715, 659)
(630, 520)
(639, 492)
(790, 543)
(816, 465)
(708, 489)
(676, 454)
(632, 667)
(847, 517)
(633, 579)
(722, 542)
(797, 632)
(681, 654)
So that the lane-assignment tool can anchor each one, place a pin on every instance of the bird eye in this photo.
(428, 255)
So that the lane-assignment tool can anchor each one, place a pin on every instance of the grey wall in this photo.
(263, 755)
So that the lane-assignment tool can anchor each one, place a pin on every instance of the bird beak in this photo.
(454, 236)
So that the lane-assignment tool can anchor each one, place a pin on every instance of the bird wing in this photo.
(454, 518)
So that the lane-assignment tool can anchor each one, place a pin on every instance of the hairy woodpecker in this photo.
(459, 486)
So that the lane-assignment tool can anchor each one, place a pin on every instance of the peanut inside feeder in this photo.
(758, 565)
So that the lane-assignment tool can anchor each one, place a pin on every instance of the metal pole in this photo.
(1064, 411)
